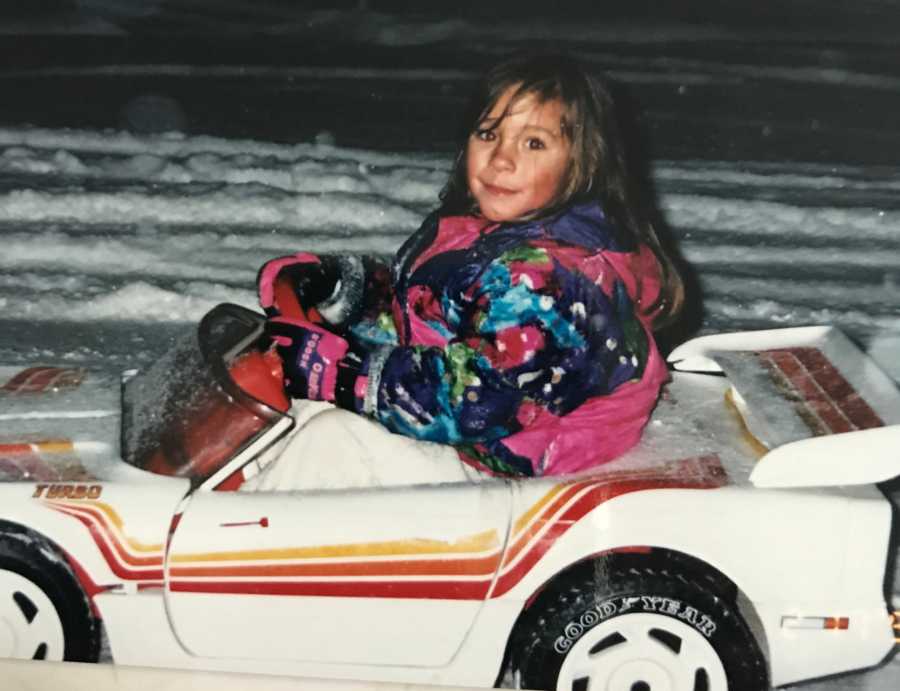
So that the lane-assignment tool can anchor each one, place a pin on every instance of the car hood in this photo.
(58, 423)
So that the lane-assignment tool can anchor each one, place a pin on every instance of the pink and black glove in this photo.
(292, 286)
(324, 289)
(313, 358)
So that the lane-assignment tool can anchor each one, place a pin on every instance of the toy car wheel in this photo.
(44, 615)
(637, 630)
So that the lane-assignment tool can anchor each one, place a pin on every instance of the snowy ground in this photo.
(111, 241)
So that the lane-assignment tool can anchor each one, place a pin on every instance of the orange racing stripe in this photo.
(111, 552)
(109, 517)
(479, 543)
(44, 446)
(460, 569)
(474, 543)
(96, 521)
(528, 534)
(586, 497)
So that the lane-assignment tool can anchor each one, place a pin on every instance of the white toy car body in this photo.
(743, 542)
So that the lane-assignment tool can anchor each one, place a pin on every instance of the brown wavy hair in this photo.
(597, 168)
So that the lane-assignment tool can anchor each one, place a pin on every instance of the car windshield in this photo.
(185, 416)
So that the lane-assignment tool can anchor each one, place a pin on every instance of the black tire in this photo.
(26, 555)
(590, 606)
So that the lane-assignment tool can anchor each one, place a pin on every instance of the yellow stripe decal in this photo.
(526, 517)
(55, 446)
(476, 545)
(480, 542)
(116, 521)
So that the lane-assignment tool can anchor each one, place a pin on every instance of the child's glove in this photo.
(292, 286)
(310, 355)
(326, 289)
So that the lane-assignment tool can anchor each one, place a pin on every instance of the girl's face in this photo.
(520, 165)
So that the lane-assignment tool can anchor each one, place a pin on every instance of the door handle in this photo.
(262, 523)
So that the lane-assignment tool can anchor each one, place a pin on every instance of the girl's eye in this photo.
(485, 135)
(534, 143)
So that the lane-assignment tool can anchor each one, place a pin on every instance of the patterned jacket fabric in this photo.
(524, 345)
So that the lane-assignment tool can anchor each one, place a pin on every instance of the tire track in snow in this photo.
(726, 214)
(762, 257)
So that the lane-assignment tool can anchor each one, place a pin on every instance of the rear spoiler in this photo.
(824, 412)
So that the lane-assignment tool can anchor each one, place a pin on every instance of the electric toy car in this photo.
(742, 544)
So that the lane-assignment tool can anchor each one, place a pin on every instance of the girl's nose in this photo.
(502, 158)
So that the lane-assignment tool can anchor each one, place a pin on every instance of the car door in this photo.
(375, 576)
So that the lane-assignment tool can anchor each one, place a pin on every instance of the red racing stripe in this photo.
(484, 565)
(477, 566)
(113, 553)
(594, 497)
(532, 543)
(703, 472)
(100, 526)
(419, 590)
(535, 526)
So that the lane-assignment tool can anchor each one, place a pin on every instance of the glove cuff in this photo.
(343, 305)
(268, 273)
(350, 370)
(358, 380)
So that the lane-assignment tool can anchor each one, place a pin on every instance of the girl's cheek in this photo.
(471, 156)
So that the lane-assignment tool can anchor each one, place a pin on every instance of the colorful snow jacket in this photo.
(524, 345)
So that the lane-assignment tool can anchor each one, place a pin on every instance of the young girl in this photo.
(517, 323)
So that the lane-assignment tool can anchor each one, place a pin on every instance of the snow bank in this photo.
(108, 226)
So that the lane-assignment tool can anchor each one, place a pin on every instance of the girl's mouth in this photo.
(496, 190)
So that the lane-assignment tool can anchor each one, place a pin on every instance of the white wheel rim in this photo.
(642, 652)
(29, 624)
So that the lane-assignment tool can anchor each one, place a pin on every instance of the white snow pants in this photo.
(331, 448)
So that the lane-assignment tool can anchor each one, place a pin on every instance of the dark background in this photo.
(708, 79)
